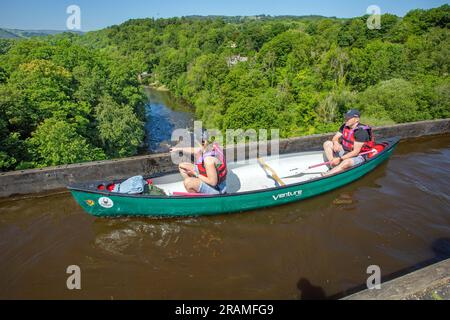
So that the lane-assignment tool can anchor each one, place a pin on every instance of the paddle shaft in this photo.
(274, 175)
(295, 171)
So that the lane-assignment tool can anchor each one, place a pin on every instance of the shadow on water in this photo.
(440, 247)
(310, 292)
(441, 250)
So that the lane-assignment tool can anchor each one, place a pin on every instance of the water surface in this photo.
(397, 217)
(164, 114)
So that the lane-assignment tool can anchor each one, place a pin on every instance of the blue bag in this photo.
(134, 185)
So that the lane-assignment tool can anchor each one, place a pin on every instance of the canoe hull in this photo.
(114, 205)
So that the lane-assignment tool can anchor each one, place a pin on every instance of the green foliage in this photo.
(334, 65)
(420, 21)
(120, 130)
(396, 97)
(296, 74)
(3, 75)
(376, 62)
(45, 87)
(11, 147)
(299, 75)
(334, 104)
(260, 112)
(49, 91)
(433, 96)
(353, 33)
(56, 142)
(5, 45)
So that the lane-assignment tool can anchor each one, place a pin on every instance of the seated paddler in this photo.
(352, 139)
(209, 172)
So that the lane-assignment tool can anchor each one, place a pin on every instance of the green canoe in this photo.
(249, 187)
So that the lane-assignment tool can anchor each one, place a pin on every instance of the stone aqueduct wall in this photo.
(53, 178)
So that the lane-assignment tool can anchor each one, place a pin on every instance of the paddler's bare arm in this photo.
(336, 144)
(211, 172)
(185, 150)
(356, 150)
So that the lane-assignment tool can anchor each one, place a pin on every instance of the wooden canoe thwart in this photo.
(251, 185)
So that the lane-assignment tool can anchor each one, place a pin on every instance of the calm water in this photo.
(165, 114)
(397, 217)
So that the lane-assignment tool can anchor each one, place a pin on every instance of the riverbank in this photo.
(158, 87)
(52, 178)
(429, 283)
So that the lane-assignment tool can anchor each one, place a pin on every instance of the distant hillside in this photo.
(257, 17)
(16, 33)
(7, 35)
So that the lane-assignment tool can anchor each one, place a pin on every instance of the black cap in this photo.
(352, 114)
(205, 136)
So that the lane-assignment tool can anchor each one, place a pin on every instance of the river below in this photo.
(397, 217)
(164, 114)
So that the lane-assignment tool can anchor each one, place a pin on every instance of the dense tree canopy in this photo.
(296, 74)
(51, 91)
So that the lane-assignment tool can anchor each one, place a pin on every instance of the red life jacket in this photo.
(378, 148)
(348, 138)
(217, 153)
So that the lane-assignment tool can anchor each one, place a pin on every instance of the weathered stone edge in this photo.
(52, 178)
(411, 284)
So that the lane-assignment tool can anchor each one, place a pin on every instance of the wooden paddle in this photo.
(273, 174)
(298, 171)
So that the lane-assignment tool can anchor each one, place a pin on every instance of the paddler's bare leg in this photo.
(328, 148)
(192, 185)
(344, 165)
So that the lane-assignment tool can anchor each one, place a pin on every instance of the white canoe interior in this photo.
(249, 175)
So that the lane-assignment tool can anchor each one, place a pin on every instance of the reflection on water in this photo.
(164, 115)
(126, 237)
(396, 217)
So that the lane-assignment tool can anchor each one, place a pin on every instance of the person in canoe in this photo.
(209, 172)
(353, 138)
